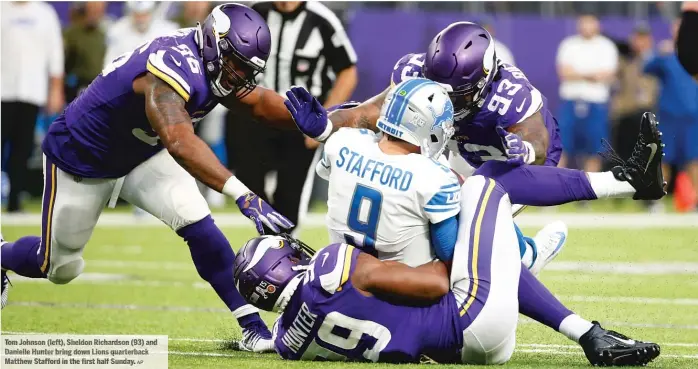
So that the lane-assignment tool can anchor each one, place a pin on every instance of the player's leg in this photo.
(640, 177)
(595, 131)
(485, 272)
(212, 130)
(690, 147)
(292, 169)
(601, 346)
(164, 189)
(21, 146)
(567, 123)
(70, 209)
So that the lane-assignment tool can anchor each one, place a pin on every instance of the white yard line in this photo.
(638, 268)
(573, 220)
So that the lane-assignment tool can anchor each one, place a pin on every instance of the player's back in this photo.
(104, 132)
(328, 319)
(384, 203)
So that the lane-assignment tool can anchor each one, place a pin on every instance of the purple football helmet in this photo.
(267, 270)
(235, 43)
(462, 56)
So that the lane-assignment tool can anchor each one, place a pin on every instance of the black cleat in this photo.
(609, 348)
(4, 281)
(5, 288)
(643, 170)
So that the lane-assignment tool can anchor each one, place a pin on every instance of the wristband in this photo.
(234, 188)
(325, 134)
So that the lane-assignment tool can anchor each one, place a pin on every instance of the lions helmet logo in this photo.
(441, 119)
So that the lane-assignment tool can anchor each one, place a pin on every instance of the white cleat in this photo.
(255, 342)
(549, 242)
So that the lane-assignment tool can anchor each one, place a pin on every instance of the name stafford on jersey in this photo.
(374, 170)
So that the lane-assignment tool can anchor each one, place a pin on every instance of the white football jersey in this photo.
(384, 203)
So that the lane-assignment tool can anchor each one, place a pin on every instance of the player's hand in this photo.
(517, 150)
(308, 114)
(262, 214)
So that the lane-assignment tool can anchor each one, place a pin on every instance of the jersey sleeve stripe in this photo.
(441, 210)
(331, 281)
(347, 266)
(444, 198)
(157, 66)
(451, 186)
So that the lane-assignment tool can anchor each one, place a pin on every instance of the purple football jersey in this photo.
(328, 319)
(511, 99)
(104, 132)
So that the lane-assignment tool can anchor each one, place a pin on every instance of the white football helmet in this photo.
(420, 112)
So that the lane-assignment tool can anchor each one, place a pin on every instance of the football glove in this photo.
(308, 114)
(262, 214)
(518, 151)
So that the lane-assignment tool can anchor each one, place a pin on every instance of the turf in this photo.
(142, 281)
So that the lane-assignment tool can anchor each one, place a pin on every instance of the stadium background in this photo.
(531, 30)
(638, 273)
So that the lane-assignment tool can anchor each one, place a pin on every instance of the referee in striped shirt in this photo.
(310, 48)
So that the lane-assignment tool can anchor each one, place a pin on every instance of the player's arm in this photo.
(168, 117)
(363, 116)
(263, 105)
(312, 118)
(440, 201)
(396, 280)
(533, 132)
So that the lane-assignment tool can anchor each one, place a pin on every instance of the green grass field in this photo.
(140, 280)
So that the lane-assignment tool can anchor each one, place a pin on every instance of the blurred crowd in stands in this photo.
(605, 83)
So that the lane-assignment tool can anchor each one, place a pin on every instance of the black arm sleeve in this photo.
(687, 42)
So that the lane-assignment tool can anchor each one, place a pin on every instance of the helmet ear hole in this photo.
(434, 139)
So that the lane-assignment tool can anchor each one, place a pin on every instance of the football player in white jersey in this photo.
(388, 193)
(386, 197)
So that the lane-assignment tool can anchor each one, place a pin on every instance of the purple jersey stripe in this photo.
(481, 243)
(47, 212)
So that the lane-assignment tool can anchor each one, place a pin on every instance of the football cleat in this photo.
(643, 170)
(4, 280)
(548, 243)
(256, 339)
(609, 348)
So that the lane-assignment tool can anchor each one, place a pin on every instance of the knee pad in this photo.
(186, 207)
(65, 271)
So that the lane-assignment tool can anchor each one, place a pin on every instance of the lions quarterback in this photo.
(390, 195)
(130, 134)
